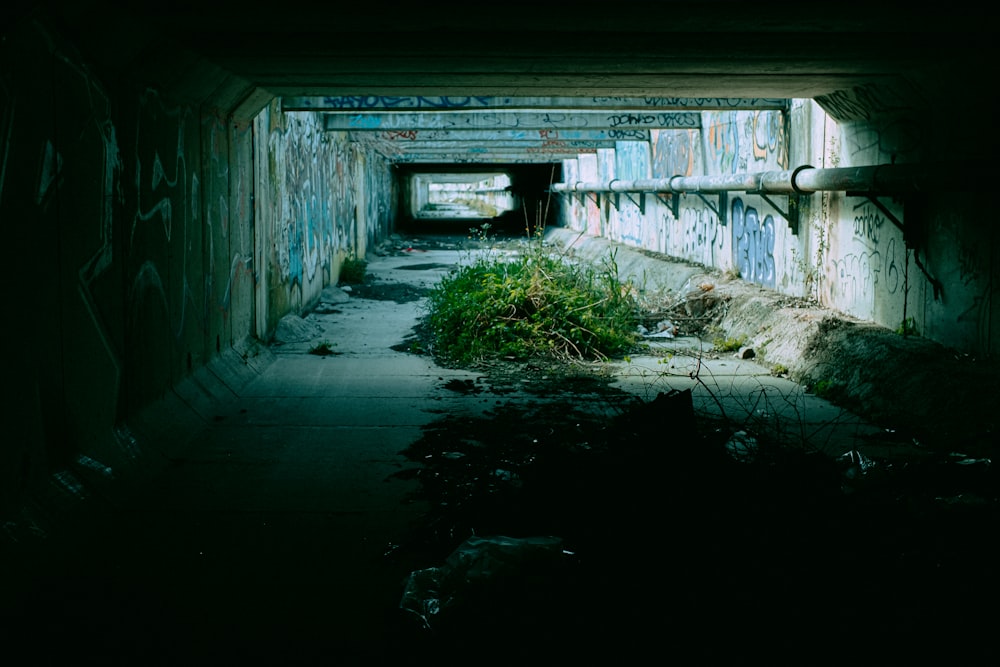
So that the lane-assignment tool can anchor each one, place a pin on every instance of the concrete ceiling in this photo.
(674, 49)
(870, 62)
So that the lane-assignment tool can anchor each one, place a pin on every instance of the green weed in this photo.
(353, 270)
(532, 304)
(908, 327)
(723, 344)
(828, 389)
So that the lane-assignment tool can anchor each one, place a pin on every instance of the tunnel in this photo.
(221, 449)
(513, 198)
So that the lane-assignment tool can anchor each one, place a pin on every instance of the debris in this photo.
(663, 329)
(335, 294)
(90, 464)
(480, 573)
(294, 329)
(742, 447)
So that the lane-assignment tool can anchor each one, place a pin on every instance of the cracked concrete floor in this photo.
(284, 526)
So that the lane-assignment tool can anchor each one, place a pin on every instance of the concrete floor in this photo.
(261, 526)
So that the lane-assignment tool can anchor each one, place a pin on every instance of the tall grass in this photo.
(532, 304)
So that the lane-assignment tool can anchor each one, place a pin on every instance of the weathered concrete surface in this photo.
(912, 385)
(269, 516)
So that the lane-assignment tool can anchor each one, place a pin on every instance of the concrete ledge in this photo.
(905, 383)
(107, 471)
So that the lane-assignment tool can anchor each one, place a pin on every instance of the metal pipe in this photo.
(885, 179)
(879, 178)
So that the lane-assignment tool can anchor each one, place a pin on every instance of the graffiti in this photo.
(668, 120)
(632, 160)
(240, 264)
(673, 153)
(548, 134)
(862, 102)
(394, 135)
(867, 223)
(403, 102)
(723, 143)
(753, 244)
(525, 120)
(769, 139)
(551, 148)
(701, 235)
(149, 206)
(630, 225)
(694, 102)
(715, 102)
(316, 219)
(666, 227)
(492, 120)
(859, 275)
(638, 135)
(898, 138)
(892, 277)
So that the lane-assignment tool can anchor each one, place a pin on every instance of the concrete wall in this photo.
(322, 199)
(847, 252)
(159, 217)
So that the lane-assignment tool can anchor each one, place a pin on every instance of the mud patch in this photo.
(671, 540)
(425, 267)
(398, 292)
(463, 386)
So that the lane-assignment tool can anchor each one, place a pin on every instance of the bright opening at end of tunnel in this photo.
(465, 196)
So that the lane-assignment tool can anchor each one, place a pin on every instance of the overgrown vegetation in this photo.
(730, 344)
(908, 327)
(532, 304)
(353, 270)
(480, 206)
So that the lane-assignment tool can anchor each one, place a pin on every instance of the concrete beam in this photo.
(523, 120)
(405, 137)
(504, 157)
(465, 146)
(469, 103)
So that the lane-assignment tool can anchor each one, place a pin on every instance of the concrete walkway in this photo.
(256, 520)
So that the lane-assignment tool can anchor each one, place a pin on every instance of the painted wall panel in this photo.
(849, 251)
(134, 220)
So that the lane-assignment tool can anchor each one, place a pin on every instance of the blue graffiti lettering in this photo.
(753, 244)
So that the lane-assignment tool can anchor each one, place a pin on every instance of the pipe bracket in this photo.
(791, 216)
(722, 208)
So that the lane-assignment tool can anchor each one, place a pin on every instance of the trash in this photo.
(857, 464)
(742, 447)
(664, 329)
(480, 570)
(90, 464)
